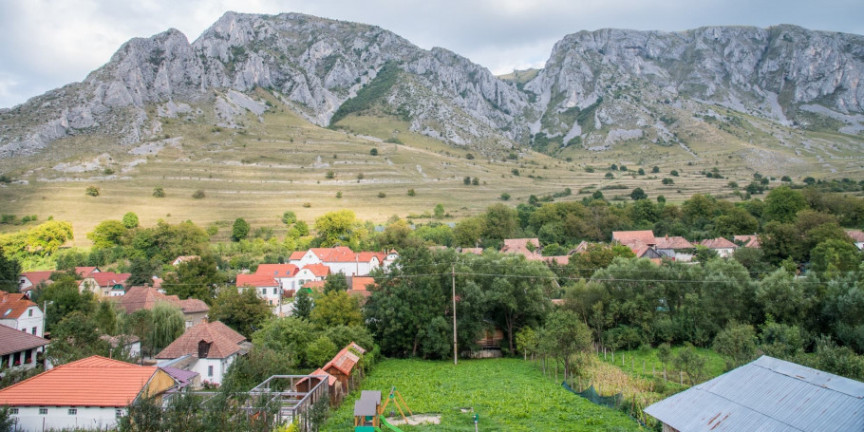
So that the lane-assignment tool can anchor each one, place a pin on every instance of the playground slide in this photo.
(387, 424)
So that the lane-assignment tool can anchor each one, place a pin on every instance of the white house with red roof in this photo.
(91, 393)
(857, 236)
(29, 280)
(723, 247)
(208, 348)
(104, 284)
(18, 312)
(343, 260)
(675, 247)
(266, 286)
(18, 350)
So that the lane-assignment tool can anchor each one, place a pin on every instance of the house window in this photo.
(13, 411)
(30, 312)
(43, 411)
(210, 371)
(73, 411)
(118, 413)
(34, 330)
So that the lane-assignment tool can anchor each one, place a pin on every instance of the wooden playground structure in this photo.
(369, 413)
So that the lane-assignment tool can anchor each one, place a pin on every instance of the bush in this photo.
(469, 156)
(382, 195)
(609, 175)
(330, 174)
(673, 173)
(373, 152)
(505, 196)
(92, 191)
(411, 192)
(158, 192)
(515, 171)
(655, 169)
(668, 181)
(467, 180)
(199, 194)
(307, 204)
(339, 195)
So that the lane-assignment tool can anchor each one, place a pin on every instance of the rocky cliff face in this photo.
(597, 88)
(624, 78)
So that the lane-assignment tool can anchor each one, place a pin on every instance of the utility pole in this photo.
(455, 348)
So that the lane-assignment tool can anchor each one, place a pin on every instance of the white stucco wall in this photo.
(219, 368)
(29, 419)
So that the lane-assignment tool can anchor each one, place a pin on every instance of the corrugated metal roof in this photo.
(767, 395)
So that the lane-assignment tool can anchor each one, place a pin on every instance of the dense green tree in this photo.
(468, 232)
(241, 310)
(289, 217)
(302, 304)
(106, 318)
(596, 257)
(63, 298)
(566, 335)
(240, 229)
(340, 227)
(289, 337)
(255, 367)
(196, 278)
(336, 308)
(500, 222)
(76, 336)
(690, 362)
(335, 282)
(142, 271)
(168, 324)
(321, 350)
(130, 220)
(107, 234)
(834, 256)
(783, 203)
(738, 342)
(638, 194)
(10, 270)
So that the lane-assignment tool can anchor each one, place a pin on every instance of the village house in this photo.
(675, 248)
(208, 348)
(142, 297)
(766, 395)
(747, 241)
(266, 287)
(343, 260)
(857, 236)
(184, 258)
(642, 243)
(91, 393)
(128, 344)
(30, 280)
(291, 277)
(527, 247)
(19, 350)
(723, 247)
(360, 286)
(103, 284)
(19, 312)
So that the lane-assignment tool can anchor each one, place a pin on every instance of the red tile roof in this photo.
(627, 237)
(367, 256)
(94, 381)
(749, 241)
(718, 243)
(37, 277)
(277, 270)
(856, 235)
(86, 271)
(13, 305)
(359, 283)
(330, 378)
(298, 255)
(319, 270)
(142, 297)
(223, 341)
(109, 279)
(335, 254)
(674, 242)
(12, 341)
(475, 251)
(256, 280)
(316, 285)
(345, 360)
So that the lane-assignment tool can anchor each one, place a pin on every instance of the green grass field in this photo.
(508, 395)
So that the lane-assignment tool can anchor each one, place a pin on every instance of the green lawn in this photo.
(644, 363)
(508, 395)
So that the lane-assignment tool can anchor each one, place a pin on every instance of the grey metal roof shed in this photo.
(368, 403)
(766, 395)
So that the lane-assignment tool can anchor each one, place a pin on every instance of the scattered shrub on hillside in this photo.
(655, 169)
(515, 171)
(360, 176)
(609, 175)
(505, 196)
(199, 194)
(307, 204)
(668, 181)
(641, 171)
(339, 195)
(382, 195)
(589, 169)
(673, 173)
(475, 181)
(159, 192)
(469, 156)
(330, 174)
(467, 180)
(92, 191)
(411, 192)
(373, 152)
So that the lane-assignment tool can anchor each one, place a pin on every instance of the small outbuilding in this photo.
(766, 395)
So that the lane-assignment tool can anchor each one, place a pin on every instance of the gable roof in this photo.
(475, 251)
(749, 241)
(184, 258)
(345, 360)
(628, 237)
(319, 270)
(142, 297)
(109, 279)
(335, 254)
(330, 378)
(856, 235)
(277, 270)
(297, 255)
(223, 341)
(359, 283)
(37, 277)
(718, 243)
(13, 305)
(256, 280)
(13, 340)
(674, 242)
(93, 381)
(367, 256)
(520, 245)
(767, 395)
(86, 271)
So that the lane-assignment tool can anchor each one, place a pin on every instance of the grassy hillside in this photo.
(282, 162)
(507, 394)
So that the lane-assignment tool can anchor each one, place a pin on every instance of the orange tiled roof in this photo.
(297, 255)
(13, 305)
(109, 279)
(319, 270)
(142, 297)
(94, 381)
(627, 237)
(718, 243)
(674, 242)
(335, 254)
(86, 271)
(359, 283)
(367, 256)
(13, 340)
(256, 280)
(344, 361)
(223, 341)
(749, 241)
(37, 277)
(277, 270)
(330, 378)
(316, 285)
(855, 234)
(475, 251)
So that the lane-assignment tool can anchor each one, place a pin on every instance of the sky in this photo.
(45, 44)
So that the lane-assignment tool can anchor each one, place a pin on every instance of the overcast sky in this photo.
(45, 44)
